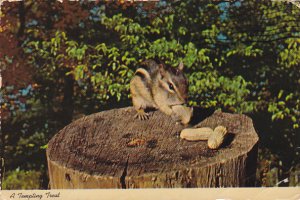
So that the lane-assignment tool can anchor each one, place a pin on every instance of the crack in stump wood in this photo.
(122, 178)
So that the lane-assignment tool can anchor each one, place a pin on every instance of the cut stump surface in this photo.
(112, 149)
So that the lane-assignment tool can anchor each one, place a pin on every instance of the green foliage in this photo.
(271, 55)
(107, 68)
(21, 180)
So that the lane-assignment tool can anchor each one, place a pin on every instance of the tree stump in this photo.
(112, 149)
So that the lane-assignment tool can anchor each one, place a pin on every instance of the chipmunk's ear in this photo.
(180, 66)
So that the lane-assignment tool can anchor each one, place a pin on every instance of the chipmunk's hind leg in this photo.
(139, 105)
(141, 98)
(140, 108)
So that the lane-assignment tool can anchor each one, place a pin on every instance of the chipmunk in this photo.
(158, 86)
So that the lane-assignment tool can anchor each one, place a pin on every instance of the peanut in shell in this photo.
(196, 134)
(217, 137)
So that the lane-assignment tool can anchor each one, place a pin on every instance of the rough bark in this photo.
(111, 149)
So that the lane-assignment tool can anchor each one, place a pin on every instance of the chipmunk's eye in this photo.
(171, 86)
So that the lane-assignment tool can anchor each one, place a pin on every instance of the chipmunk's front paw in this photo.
(142, 115)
